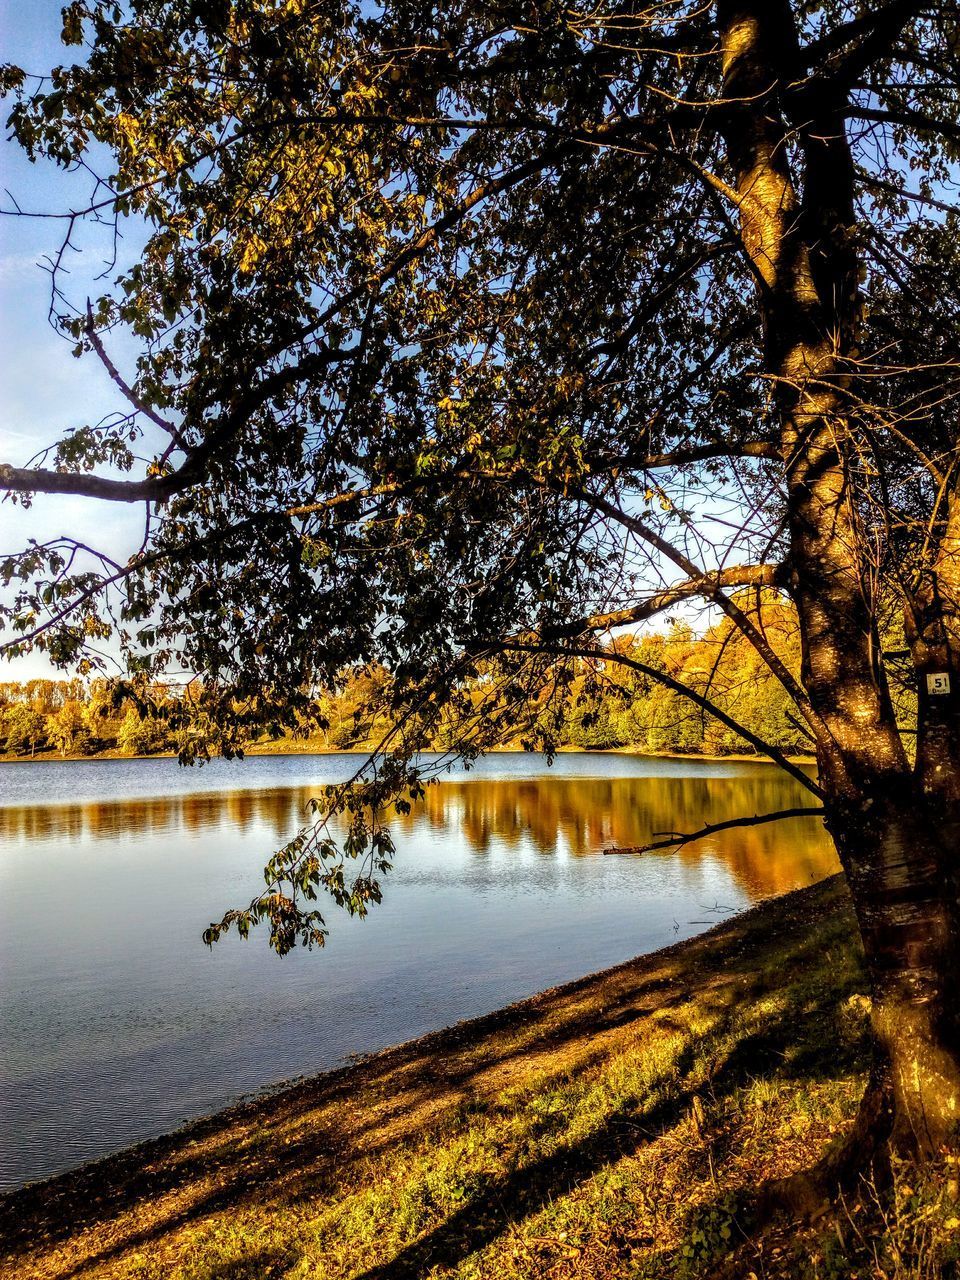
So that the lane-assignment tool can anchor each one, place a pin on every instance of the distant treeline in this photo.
(89, 718)
(606, 704)
(621, 707)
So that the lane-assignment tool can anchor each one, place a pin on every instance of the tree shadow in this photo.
(259, 1265)
(529, 1190)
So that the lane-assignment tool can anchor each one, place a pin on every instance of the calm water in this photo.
(118, 1024)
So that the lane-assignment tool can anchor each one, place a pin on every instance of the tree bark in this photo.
(893, 823)
(895, 860)
(933, 630)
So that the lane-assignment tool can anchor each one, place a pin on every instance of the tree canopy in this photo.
(470, 333)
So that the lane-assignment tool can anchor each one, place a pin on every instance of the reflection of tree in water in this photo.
(279, 810)
(585, 815)
(580, 815)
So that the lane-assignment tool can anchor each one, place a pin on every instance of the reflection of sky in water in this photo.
(117, 1023)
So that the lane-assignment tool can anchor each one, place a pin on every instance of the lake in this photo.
(118, 1024)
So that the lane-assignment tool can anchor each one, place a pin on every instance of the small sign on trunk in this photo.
(938, 682)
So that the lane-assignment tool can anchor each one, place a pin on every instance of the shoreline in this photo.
(737, 757)
(443, 1039)
(401, 1112)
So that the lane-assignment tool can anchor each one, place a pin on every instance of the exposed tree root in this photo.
(806, 1195)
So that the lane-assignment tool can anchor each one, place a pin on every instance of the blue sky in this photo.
(43, 389)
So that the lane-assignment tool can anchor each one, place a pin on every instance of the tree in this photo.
(470, 333)
(67, 728)
(26, 729)
(100, 717)
(139, 736)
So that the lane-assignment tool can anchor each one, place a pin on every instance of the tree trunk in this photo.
(894, 824)
(895, 864)
(933, 630)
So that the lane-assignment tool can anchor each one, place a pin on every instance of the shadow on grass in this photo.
(262, 1264)
(527, 1191)
(239, 1159)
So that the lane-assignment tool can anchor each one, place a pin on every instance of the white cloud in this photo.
(17, 267)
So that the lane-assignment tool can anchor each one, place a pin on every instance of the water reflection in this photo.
(278, 810)
(579, 816)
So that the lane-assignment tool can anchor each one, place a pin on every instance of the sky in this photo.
(43, 388)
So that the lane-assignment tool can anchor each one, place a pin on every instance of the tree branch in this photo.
(906, 117)
(158, 488)
(874, 31)
(677, 839)
(873, 183)
(706, 585)
(701, 453)
(125, 389)
(834, 40)
(723, 601)
(543, 645)
(40, 480)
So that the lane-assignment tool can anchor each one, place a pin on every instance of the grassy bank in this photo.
(605, 1128)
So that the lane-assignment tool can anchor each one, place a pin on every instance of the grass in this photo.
(608, 1128)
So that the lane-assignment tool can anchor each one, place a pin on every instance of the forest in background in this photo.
(606, 705)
